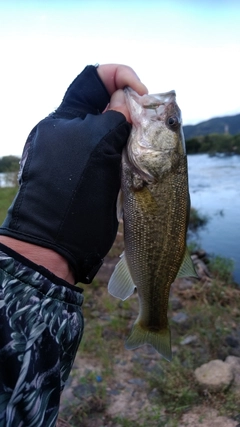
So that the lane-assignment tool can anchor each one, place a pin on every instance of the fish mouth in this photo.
(160, 107)
(151, 101)
(158, 99)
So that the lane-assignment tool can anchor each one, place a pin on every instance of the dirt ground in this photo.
(127, 395)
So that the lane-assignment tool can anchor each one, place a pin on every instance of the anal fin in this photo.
(187, 268)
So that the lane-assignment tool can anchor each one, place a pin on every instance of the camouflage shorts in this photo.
(41, 326)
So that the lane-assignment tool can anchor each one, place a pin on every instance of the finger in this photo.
(118, 103)
(116, 77)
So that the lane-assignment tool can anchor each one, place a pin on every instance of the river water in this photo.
(8, 179)
(214, 184)
(215, 191)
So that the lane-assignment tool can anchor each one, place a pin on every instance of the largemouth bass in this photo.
(155, 204)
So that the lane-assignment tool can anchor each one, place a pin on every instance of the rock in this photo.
(201, 253)
(189, 339)
(237, 418)
(176, 303)
(201, 268)
(214, 376)
(184, 284)
(182, 322)
(231, 341)
(203, 418)
(84, 390)
(68, 399)
(137, 381)
(95, 313)
(234, 363)
(180, 317)
(62, 423)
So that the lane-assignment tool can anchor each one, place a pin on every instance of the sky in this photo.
(190, 46)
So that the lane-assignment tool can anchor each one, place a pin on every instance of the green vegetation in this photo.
(9, 164)
(196, 220)
(6, 197)
(221, 268)
(153, 391)
(214, 144)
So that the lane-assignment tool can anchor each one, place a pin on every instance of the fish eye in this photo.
(173, 121)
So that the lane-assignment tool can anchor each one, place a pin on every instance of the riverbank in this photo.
(113, 387)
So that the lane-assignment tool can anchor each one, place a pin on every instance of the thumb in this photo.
(118, 103)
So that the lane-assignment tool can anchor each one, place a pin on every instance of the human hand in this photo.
(116, 78)
(70, 174)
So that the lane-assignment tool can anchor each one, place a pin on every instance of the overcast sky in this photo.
(190, 46)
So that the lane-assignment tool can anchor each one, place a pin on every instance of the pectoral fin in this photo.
(187, 268)
(120, 206)
(121, 284)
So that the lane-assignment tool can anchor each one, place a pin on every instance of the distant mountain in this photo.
(227, 124)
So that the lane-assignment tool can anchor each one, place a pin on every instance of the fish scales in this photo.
(147, 240)
(155, 204)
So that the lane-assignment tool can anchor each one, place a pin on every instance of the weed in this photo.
(124, 422)
(230, 403)
(92, 339)
(90, 408)
(147, 418)
(175, 386)
(221, 268)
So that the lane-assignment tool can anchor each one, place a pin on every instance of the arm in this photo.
(114, 78)
(60, 226)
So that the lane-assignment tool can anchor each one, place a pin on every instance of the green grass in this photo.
(175, 386)
(6, 197)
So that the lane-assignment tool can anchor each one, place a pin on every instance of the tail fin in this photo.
(159, 339)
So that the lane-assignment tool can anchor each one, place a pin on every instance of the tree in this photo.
(9, 164)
